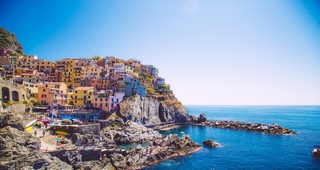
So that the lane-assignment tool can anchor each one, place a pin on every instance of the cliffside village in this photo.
(78, 83)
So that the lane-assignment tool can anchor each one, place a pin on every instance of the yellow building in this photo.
(68, 73)
(82, 96)
(32, 90)
(77, 76)
(45, 66)
(129, 69)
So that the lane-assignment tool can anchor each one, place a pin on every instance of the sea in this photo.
(251, 150)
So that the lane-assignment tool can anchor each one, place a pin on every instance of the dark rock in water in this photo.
(161, 149)
(11, 120)
(210, 143)
(202, 118)
(193, 119)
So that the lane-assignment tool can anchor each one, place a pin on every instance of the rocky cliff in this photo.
(152, 110)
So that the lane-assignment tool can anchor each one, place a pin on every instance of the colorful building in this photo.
(82, 96)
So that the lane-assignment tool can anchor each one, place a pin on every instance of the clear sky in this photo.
(211, 52)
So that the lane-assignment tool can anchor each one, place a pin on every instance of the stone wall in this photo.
(82, 129)
(17, 108)
(22, 93)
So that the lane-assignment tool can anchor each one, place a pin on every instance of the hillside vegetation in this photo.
(10, 41)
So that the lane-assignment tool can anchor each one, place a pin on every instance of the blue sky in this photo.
(225, 52)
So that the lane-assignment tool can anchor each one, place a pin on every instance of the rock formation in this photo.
(202, 118)
(130, 132)
(148, 110)
(210, 143)
(20, 150)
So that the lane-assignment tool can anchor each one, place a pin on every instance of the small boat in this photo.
(44, 120)
(29, 128)
(31, 123)
(316, 151)
(58, 132)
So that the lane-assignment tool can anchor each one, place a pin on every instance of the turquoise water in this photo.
(252, 150)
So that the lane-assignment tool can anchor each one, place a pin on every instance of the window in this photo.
(44, 90)
(85, 92)
(106, 104)
(100, 104)
(95, 104)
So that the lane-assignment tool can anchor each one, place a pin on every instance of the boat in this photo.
(29, 128)
(316, 151)
(58, 132)
(44, 120)
(31, 123)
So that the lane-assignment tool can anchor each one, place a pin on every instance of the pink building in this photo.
(107, 100)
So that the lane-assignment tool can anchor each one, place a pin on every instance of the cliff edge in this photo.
(153, 109)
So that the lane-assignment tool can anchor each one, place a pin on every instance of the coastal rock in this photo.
(140, 109)
(118, 161)
(94, 165)
(149, 110)
(11, 120)
(71, 157)
(20, 150)
(193, 119)
(210, 143)
(257, 127)
(131, 132)
(87, 139)
(202, 118)
(172, 113)
(161, 149)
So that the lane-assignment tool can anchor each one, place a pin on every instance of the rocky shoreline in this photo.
(237, 125)
(21, 150)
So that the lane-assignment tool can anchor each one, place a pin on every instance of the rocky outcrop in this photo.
(202, 118)
(94, 165)
(20, 150)
(157, 150)
(140, 109)
(130, 132)
(257, 127)
(148, 110)
(173, 113)
(11, 120)
(210, 143)
(88, 139)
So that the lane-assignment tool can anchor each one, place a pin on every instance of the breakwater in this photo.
(237, 125)
(258, 127)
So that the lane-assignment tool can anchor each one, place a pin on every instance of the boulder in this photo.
(11, 120)
(193, 119)
(210, 143)
(202, 118)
